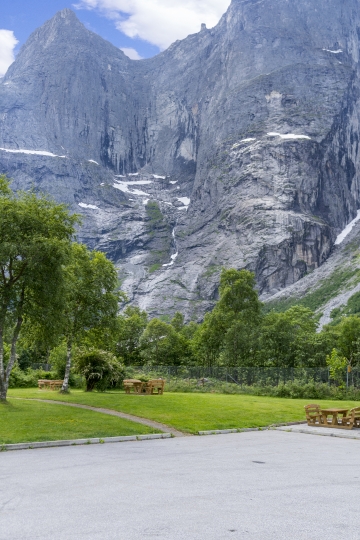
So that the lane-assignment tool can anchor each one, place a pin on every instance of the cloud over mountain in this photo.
(131, 53)
(7, 44)
(160, 22)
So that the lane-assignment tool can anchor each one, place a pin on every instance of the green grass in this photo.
(31, 421)
(154, 214)
(154, 267)
(193, 412)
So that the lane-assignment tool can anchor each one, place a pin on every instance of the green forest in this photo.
(62, 304)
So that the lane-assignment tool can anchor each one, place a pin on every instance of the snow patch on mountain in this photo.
(91, 206)
(288, 136)
(347, 229)
(32, 152)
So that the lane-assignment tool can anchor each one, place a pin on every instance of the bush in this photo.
(28, 378)
(101, 369)
(291, 390)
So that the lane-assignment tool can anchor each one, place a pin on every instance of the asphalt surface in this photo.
(259, 486)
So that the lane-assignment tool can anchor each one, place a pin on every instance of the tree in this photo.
(162, 345)
(348, 340)
(208, 339)
(285, 336)
(99, 368)
(229, 327)
(238, 296)
(177, 321)
(337, 365)
(92, 298)
(35, 235)
(130, 328)
(241, 344)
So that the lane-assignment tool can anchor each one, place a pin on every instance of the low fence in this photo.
(251, 376)
(243, 376)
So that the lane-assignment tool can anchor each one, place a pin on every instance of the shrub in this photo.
(57, 360)
(291, 390)
(100, 369)
(28, 378)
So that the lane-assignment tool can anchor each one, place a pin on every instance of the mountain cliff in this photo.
(238, 146)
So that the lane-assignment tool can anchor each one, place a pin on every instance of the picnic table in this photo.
(336, 413)
(154, 386)
(132, 384)
(48, 384)
(340, 417)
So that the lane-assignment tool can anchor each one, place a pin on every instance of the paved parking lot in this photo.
(259, 486)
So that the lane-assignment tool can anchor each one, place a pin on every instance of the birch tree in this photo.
(92, 298)
(35, 240)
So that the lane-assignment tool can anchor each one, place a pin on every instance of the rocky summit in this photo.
(238, 146)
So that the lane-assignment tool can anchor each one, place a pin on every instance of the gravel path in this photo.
(125, 416)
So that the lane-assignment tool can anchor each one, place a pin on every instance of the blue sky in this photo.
(23, 17)
(141, 27)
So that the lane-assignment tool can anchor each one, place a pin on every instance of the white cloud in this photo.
(7, 45)
(131, 53)
(160, 22)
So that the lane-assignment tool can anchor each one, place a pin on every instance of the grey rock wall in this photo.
(236, 147)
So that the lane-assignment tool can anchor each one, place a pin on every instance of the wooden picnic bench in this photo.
(49, 384)
(313, 414)
(336, 417)
(154, 386)
(352, 420)
(332, 418)
(132, 384)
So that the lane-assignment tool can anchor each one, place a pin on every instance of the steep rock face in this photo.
(238, 146)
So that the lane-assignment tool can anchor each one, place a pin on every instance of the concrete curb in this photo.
(325, 434)
(81, 442)
(227, 431)
(245, 430)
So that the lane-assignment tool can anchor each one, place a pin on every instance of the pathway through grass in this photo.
(32, 421)
(192, 412)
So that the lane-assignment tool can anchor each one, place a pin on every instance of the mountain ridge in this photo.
(254, 122)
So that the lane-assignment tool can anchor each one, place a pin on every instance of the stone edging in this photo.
(339, 435)
(245, 430)
(79, 442)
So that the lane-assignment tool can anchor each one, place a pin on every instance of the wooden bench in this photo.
(47, 384)
(132, 384)
(313, 415)
(352, 420)
(341, 419)
(155, 386)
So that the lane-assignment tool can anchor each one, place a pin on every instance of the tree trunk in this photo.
(13, 348)
(90, 385)
(65, 386)
(5, 373)
(3, 389)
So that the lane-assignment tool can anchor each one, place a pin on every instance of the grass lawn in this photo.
(31, 421)
(193, 412)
